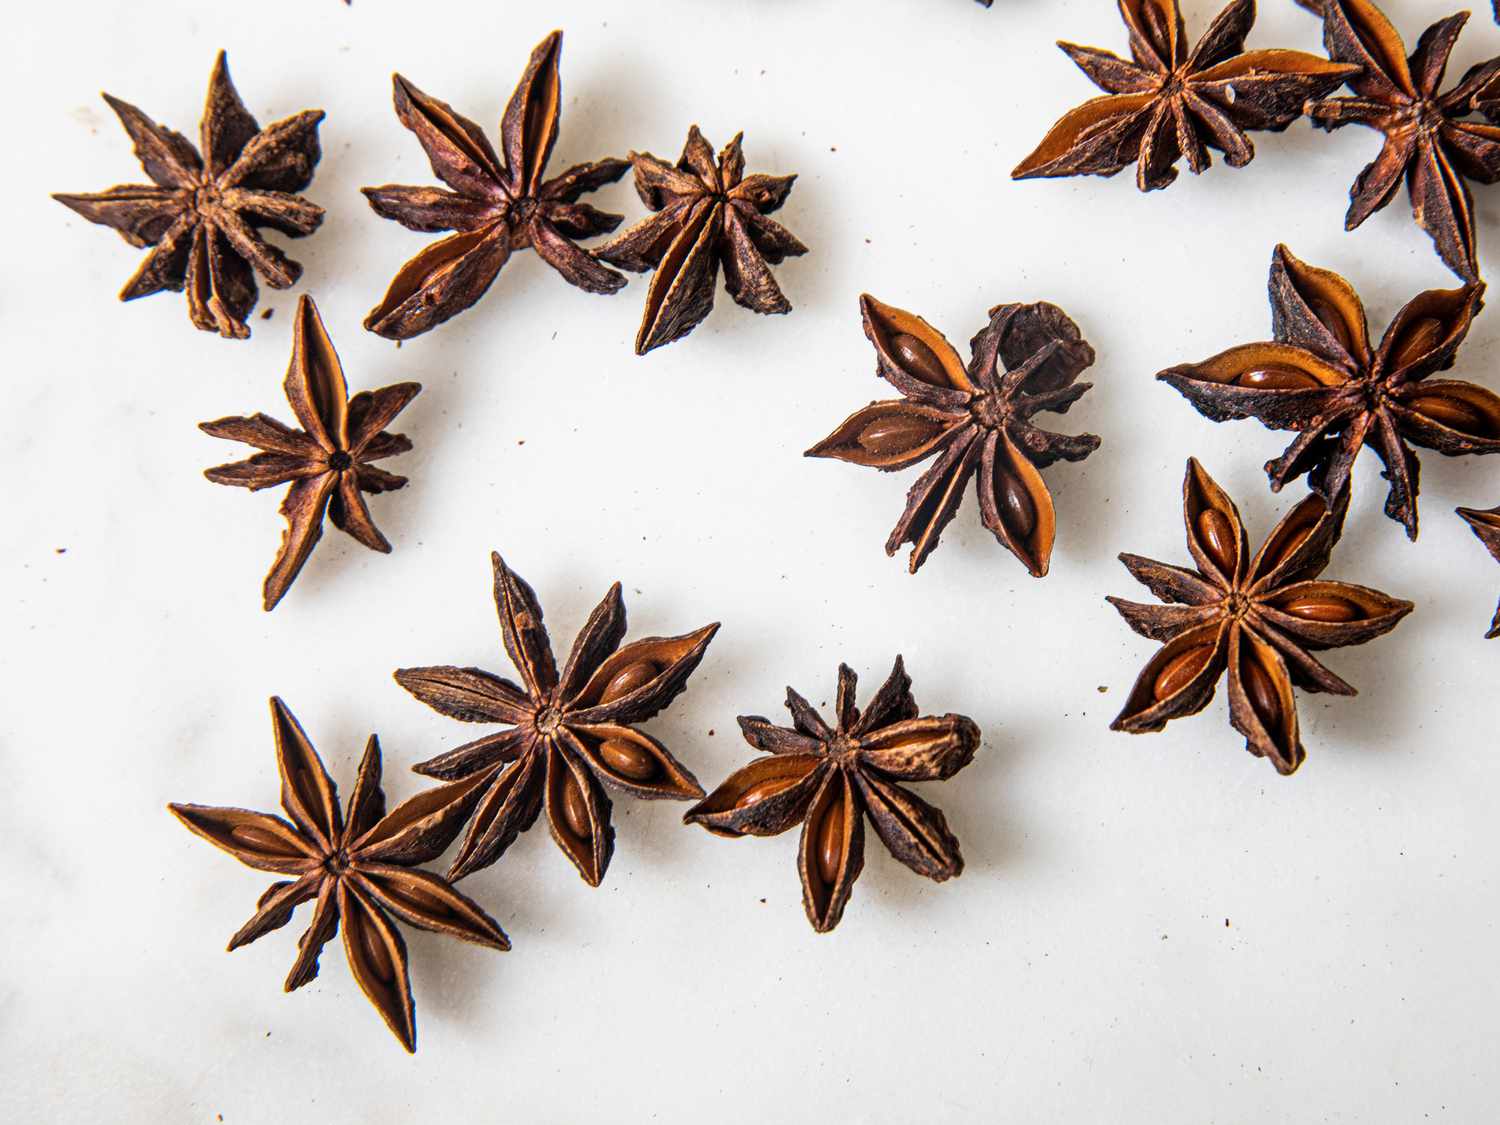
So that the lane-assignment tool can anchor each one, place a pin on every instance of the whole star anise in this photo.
(1427, 139)
(1485, 523)
(1261, 618)
(567, 733)
(1320, 377)
(1171, 102)
(709, 213)
(829, 778)
(328, 462)
(203, 211)
(359, 869)
(976, 422)
(496, 206)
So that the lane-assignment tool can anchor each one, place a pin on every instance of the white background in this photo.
(1153, 929)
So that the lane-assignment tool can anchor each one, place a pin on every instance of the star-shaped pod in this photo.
(708, 214)
(828, 779)
(358, 868)
(1427, 139)
(1261, 618)
(204, 209)
(328, 462)
(974, 422)
(569, 734)
(1485, 523)
(1172, 102)
(497, 205)
(1321, 377)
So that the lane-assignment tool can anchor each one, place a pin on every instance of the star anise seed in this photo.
(1485, 523)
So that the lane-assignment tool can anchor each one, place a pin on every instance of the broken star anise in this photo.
(1485, 523)
(498, 204)
(829, 778)
(976, 422)
(1427, 139)
(1172, 102)
(328, 462)
(708, 213)
(202, 213)
(358, 868)
(1320, 377)
(567, 732)
(1261, 618)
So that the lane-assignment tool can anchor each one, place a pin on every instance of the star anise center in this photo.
(336, 862)
(990, 410)
(843, 749)
(339, 460)
(549, 719)
(206, 196)
(1236, 605)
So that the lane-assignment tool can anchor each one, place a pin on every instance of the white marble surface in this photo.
(1156, 929)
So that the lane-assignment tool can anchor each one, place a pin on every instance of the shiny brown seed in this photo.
(628, 679)
(1017, 512)
(260, 839)
(1272, 378)
(377, 956)
(627, 759)
(1179, 670)
(1326, 608)
(1294, 535)
(575, 809)
(830, 842)
(761, 790)
(1334, 321)
(918, 360)
(1416, 342)
(897, 434)
(1261, 689)
(1446, 410)
(1217, 536)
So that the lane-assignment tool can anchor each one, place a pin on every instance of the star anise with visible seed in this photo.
(568, 732)
(328, 462)
(708, 213)
(976, 422)
(1427, 139)
(359, 869)
(829, 778)
(497, 204)
(1261, 618)
(1485, 523)
(1171, 102)
(203, 211)
(1320, 377)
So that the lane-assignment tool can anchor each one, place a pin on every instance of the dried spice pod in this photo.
(1427, 139)
(708, 214)
(975, 421)
(1485, 523)
(829, 778)
(499, 203)
(568, 735)
(1260, 617)
(359, 868)
(1320, 377)
(204, 210)
(1172, 102)
(329, 462)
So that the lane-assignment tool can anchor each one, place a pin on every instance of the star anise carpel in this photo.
(359, 868)
(1261, 618)
(568, 734)
(205, 207)
(975, 422)
(708, 214)
(1321, 377)
(329, 462)
(829, 778)
(500, 203)
(1169, 102)
(1485, 524)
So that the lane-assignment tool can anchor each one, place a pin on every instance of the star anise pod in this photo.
(1320, 377)
(975, 422)
(1171, 102)
(359, 868)
(1262, 618)
(328, 462)
(708, 213)
(203, 211)
(496, 205)
(1485, 523)
(567, 733)
(829, 778)
(1427, 139)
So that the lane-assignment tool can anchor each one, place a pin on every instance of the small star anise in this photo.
(359, 869)
(975, 421)
(828, 778)
(567, 733)
(496, 205)
(1485, 523)
(1320, 377)
(708, 213)
(328, 462)
(1172, 103)
(1426, 139)
(202, 213)
(1261, 618)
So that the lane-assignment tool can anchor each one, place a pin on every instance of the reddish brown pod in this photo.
(1485, 523)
